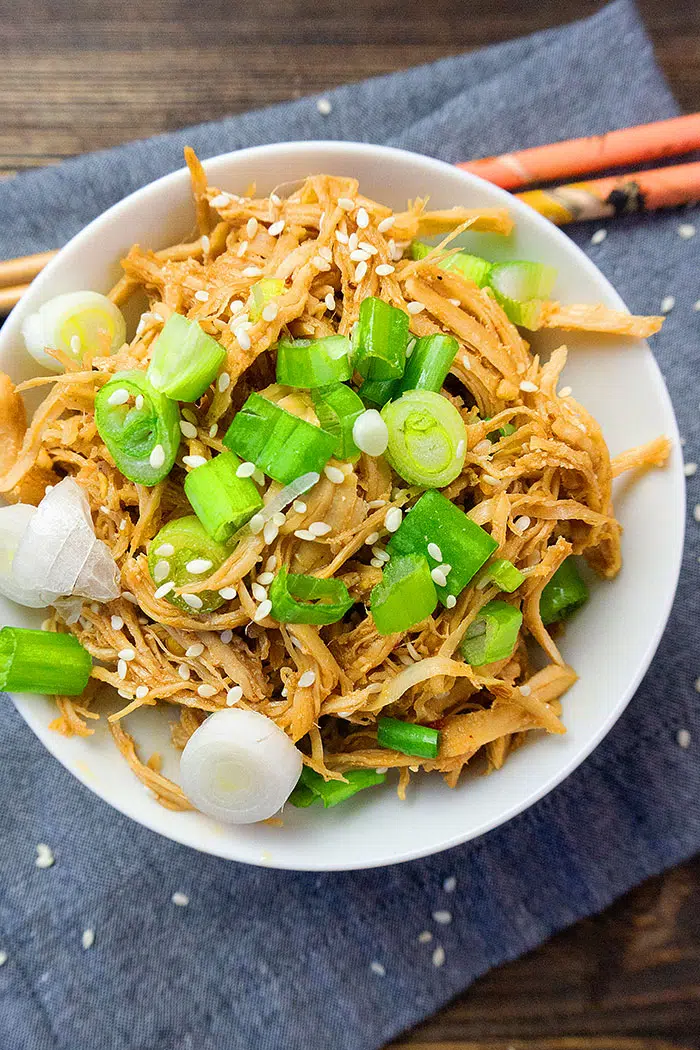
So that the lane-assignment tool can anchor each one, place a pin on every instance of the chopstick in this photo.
(571, 202)
(616, 149)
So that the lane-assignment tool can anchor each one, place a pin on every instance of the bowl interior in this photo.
(611, 640)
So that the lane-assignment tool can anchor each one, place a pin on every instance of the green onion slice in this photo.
(564, 594)
(331, 792)
(42, 662)
(311, 363)
(473, 267)
(408, 738)
(307, 599)
(143, 440)
(262, 293)
(427, 438)
(222, 501)
(522, 280)
(181, 543)
(380, 340)
(376, 392)
(337, 408)
(185, 360)
(505, 574)
(492, 635)
(428, 365)
(405, 595)
(279, 443)
(463, 545)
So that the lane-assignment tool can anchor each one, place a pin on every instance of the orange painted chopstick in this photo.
(617, 195)
(561, 160)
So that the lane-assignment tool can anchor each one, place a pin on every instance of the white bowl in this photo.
(611, 640)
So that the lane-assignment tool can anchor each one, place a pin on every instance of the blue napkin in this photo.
(264, 959)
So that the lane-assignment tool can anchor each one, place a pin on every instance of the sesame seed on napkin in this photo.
(113, 937)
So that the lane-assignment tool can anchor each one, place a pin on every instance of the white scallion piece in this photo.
(239, 767)
(74, 323)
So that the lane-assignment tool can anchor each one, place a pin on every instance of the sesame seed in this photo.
(443, 918)
(365, 246)
(439, 956)
(220, 201)
(319, 528)
(380, 554)
(689, 469)
(386, 224)
(565, 391)
(528, 387)
(195, 650)
(360, 271)
(243, 339)
(346, 203)
(116, 622)
(522, 523)
(194, 461)
(415, 307)
(206, 691)
(425, 937)
(278, 519)
(271, 564)
(352, 242)
(696, 512)
(129, 597)
(370, 433)
(375, 504)
(161, 571)
(599, 236)
(213, 430)
(525, 690)
(181, 899)
(87, 939)
(393, 518)
(228, 594)
(259, 592)
(329, 301)
(141, 692)
(266, 578)
(256, 524)
(667, 303)
(275, 198)
(307, 679)
(184, 672)
(199, 565)
(252, 271)
(242, 249)
(251, 227)
(193, 600)
(202, 296)
(450, 884)
(263, 610)
(434, 551)
(276, 228)
(224, 380)
(455, 302)
(450, 601)
(372, 538)
(234, 695)
(489, 479)
(438, 577)
(44, 855)
(445, 568)
(395, 250)
(362, 218)
(235, 307)
(299, 506)
(206, 244)
(270, 532)
(245, 469)
(377, 968)
(127, 654)
(359, 255)
(304, 534)
(270, 312)
(323, 105)
(335, 475)
(119, 397)
(188, 430)
(686, 230)
(384, 269)
(376, 563)
(122, 668)
(189, 414)
(165, 589)
(157, 457)
(684, 738)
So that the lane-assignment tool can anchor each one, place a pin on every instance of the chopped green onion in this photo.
(473, 267)
(405, 595)
(42, 662)
(522, 280)
(337, 408)
(280, 444)
(427, 438)
(311, 363)
(185, 360)
(408, 738)
(463, 545)
(492, 635)
(505, 574)
(181, 546)
(428, 365)
(321, 601)
(376, 392)
(527, 315)
(419, 250)
(380, 340)
(222, 501)
(564, 593)
(144, 440)
(331, 792)
(262, 293)
(505, 431)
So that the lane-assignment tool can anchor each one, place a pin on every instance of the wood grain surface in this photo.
(79, 75)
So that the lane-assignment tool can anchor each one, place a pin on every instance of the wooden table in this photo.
(79, 75)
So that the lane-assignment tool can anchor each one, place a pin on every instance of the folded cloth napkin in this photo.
(263, 959)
